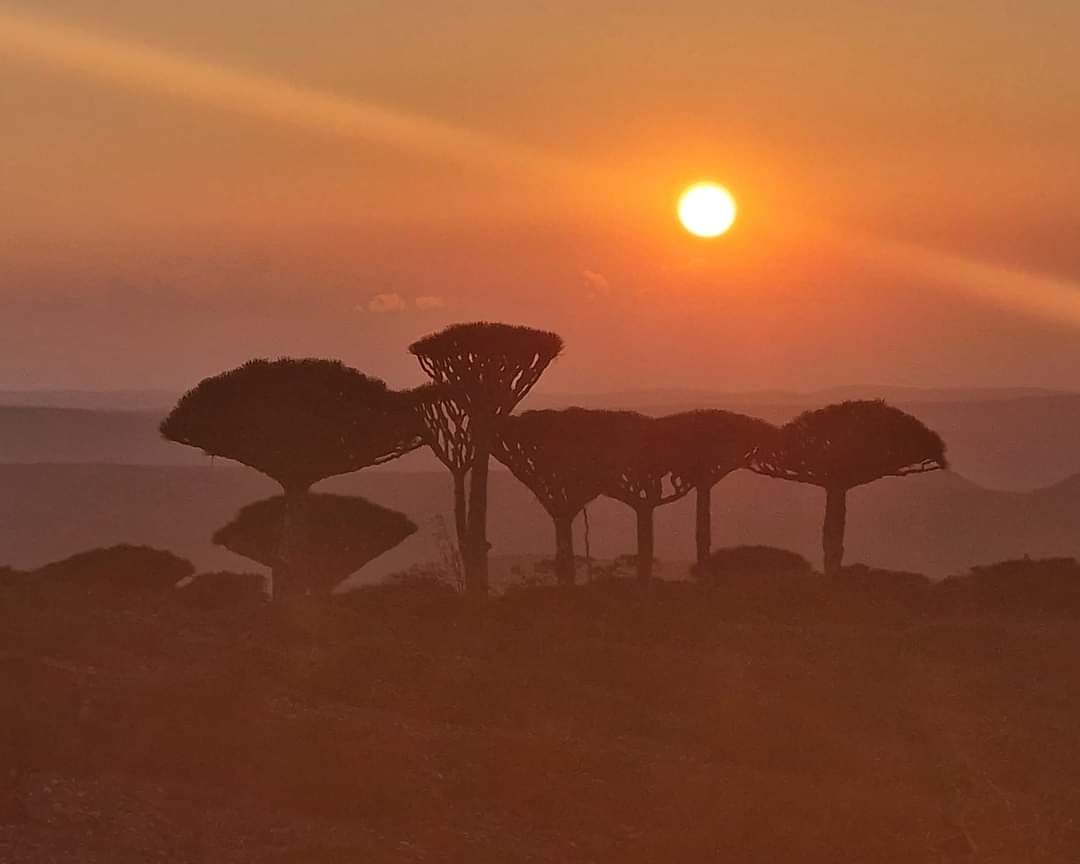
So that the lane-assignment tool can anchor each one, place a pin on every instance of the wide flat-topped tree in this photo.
(298, 422)
(487, 369)
(343, 534)
(846, 445)
(705, 446)
(557, 455)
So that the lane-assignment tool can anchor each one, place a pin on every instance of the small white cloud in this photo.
(430, 301)
(386, 303)
(597, 285)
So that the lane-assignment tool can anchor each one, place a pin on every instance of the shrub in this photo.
(736, 561)
(621, 567)
(115, 572)
(891, 588)
(224, 589)
(9, 576)
(1019, 585)
(420, 580)
(426, 578)
(762, 579)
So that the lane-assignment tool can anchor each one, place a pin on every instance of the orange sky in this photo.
(188, 185)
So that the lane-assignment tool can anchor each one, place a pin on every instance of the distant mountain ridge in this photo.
(1001, 441)
(155, 401)
(937, 523)
(92, 400)
(635, 399)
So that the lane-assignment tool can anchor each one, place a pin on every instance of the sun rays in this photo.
(142, 67)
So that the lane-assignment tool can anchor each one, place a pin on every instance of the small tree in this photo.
(298, 422)
(487, 369)
(344, 533)
(555, 454)
(704, 447)
(846, 445)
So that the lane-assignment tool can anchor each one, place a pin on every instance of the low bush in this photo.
(114, 573)
(762, 579)
(879, 587)
(1050, 585)
(224, 589)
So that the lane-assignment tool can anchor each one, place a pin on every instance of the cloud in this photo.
(430, 301)
(597, 285)
(386, 303)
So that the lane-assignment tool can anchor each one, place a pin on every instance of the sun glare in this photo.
(707, 210)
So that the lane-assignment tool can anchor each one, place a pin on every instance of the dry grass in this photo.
(600, 725)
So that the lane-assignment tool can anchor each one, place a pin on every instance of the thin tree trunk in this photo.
(645, 545)
(564, 550)
(476, 559)
(588, 544)
(461, 521)
(703, 532)
(832, 534)
(288, 576)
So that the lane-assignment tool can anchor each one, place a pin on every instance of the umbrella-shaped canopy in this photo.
(341, 534)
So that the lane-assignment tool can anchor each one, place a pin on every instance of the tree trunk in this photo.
(703, 532)
(832, 534)
(476, 558)
(461, 521)
(564, 550)
(645, 543)
(289, 578)
(588, 544)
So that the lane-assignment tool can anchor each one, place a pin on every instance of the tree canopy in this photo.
(445, 427)
(343, 533)
(638, 459)
(702, 447)
(850, 444)
(489, 367)
(297, 421)
(556, 454)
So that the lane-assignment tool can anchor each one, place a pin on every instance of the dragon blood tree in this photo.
(298, 422)
(556, 455)
(343, 534)
(487, 369)
(636, 465)
(704, 447)
(846, 445)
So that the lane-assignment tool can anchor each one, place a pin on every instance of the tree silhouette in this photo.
(704, 447)
(556, 455)
(298, 422)
(487, 370)
(446, 430)
(344, 533)
(846, 445)
(636, 465)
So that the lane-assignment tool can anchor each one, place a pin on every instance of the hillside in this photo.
(597, 726)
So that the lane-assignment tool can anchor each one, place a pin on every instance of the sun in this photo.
(707, 210)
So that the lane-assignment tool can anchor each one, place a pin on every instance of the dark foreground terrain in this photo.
(693, 724)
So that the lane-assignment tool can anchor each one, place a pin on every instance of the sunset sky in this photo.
(186, 185)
